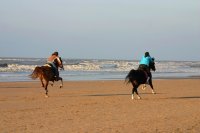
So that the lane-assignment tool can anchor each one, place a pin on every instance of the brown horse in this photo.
(45, 74)
(138, 77)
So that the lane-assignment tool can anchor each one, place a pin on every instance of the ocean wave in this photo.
(195, 65)
(27, 65)
(17, 68)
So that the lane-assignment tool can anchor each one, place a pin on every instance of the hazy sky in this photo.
(101, 29)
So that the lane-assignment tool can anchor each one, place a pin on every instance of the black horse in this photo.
(45, 74)
(138, 77)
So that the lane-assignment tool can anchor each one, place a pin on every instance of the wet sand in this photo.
(100, 107)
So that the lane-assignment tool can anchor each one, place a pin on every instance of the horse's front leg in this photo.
(150, 83)
(144, 87)
(61, 85)
(51, 83)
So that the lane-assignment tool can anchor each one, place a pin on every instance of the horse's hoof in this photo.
(144, 87)
(46, 96)
(153, 92)
(132, 97)
(61, 86)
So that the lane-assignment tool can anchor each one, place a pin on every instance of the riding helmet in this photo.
(55, 53)
(146, 54)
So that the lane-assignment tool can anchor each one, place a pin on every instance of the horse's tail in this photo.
(36, 73)
(129, 76)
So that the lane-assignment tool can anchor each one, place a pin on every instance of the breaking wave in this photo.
(96, 69)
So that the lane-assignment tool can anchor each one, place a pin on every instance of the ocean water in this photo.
(18, 69)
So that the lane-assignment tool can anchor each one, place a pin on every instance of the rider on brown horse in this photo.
(51, 61)
(145, 63)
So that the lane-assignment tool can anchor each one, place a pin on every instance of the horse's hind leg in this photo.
(133, 93)
(46, 85)
(42, 84)
(135, 90)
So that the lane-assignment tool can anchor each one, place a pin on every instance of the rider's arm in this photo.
(59, 61)
(150, 60)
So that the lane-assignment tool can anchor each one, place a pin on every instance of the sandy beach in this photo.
(100, 107)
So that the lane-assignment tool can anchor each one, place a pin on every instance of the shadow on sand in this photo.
(17, 87)
(101, 95)
(189, 97)
(121, 94)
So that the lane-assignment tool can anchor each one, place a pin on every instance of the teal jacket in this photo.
(146, 60)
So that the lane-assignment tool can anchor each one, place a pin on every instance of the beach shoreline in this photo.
(100, 106)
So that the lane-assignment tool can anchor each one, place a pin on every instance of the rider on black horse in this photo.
(51, 61)
(145, 64)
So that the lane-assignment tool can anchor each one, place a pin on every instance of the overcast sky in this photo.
(101, 29)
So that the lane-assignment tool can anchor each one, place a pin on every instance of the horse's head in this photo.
(152, 65)
(56, 62)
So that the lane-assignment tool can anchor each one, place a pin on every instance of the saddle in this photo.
(144, 68)
(52, 68)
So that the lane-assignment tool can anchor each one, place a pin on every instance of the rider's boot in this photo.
(56, 76)
(147, 82)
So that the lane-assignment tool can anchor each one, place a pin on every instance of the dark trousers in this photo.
(54, 70)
